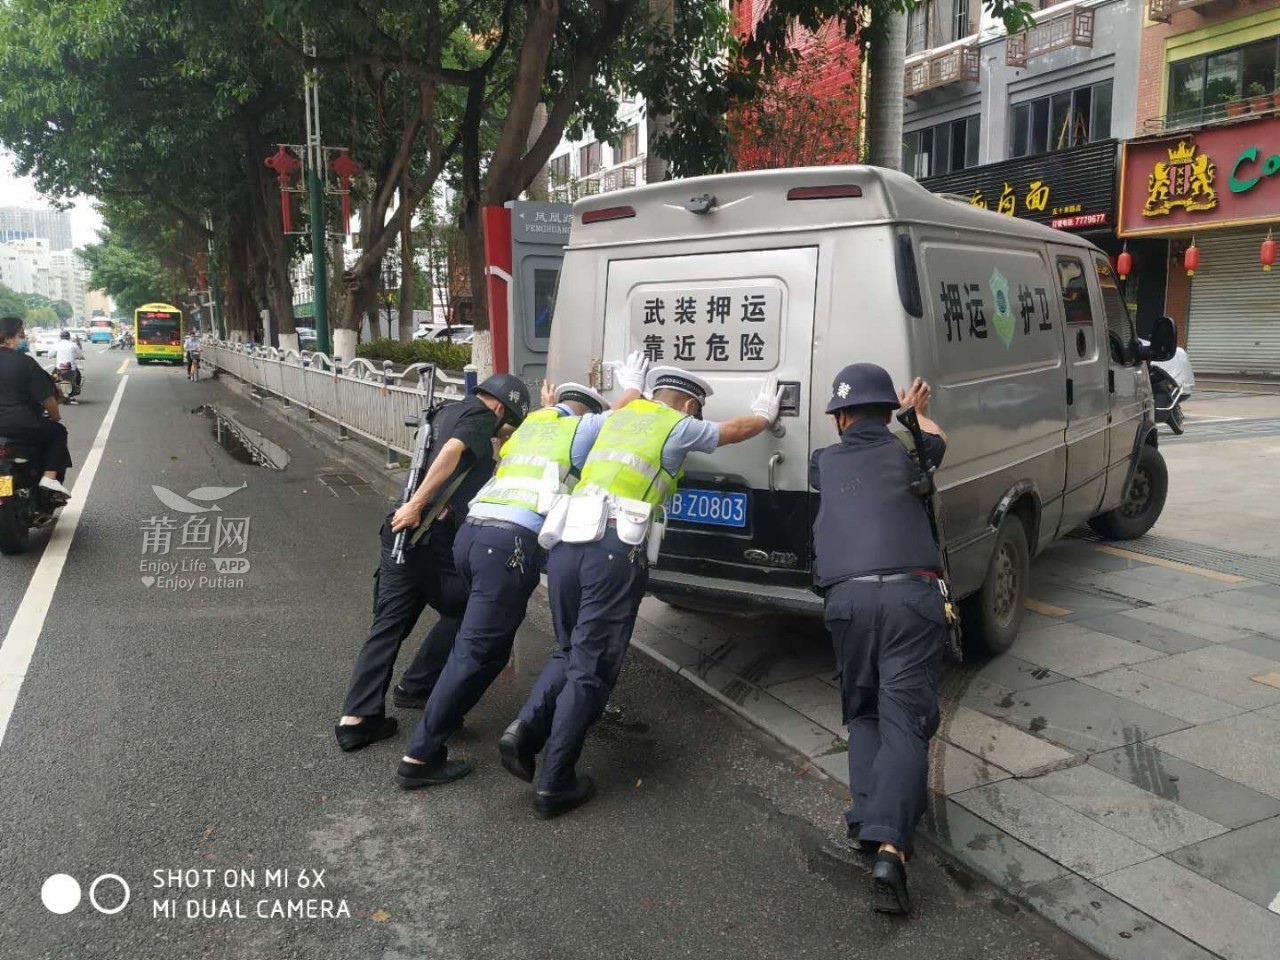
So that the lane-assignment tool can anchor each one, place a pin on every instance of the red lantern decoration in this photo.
(285, 164)
(346, 168)
(1191, 259)
(1268, 252)
(1124, 263)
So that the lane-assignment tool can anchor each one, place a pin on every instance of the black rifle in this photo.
(421, 454)
(926, 489)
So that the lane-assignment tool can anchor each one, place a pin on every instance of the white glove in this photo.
(768, 400)
(631, 373)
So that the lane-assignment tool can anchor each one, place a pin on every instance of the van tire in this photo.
(993, 615)
(1143, 503)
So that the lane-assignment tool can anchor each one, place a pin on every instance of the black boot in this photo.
(552, 803)
(405, 700)
(889, 884)
(517, 751)
(359, 735)
(412, 776)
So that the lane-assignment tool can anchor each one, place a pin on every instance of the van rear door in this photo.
(733, 318)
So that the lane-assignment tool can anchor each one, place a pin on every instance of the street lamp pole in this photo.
(315, 189)
(214, 291)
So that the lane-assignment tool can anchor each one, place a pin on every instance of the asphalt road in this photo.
(189, 732)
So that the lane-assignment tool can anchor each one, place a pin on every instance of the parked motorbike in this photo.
(1168, 394)
(23, 504)
(64, 378)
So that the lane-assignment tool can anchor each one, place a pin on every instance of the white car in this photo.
(47, 342)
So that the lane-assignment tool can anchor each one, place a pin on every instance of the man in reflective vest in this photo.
(596, 585)
(497, 556)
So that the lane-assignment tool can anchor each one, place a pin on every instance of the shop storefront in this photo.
(1215, 193)
(1071, 190)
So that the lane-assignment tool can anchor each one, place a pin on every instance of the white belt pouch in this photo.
(585, 518)
(631, 517)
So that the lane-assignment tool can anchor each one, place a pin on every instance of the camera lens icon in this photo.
(61, 893)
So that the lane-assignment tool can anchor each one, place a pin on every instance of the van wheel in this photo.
(993, 615)
(1143, 501)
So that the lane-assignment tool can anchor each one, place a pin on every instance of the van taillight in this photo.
(837, 191)
(608, 213)
(6, 451)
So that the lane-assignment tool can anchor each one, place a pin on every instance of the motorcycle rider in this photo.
(68, 354)
(191, 347)
(29, 406)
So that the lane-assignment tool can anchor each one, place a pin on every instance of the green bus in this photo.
(157, 333)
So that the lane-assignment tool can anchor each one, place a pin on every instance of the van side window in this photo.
(1119, 324)
(1075, 292)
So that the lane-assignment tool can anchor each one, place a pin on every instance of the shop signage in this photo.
(1218, 177)
(1069, 190)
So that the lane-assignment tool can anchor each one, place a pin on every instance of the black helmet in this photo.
(863, 385)
(66, 334)
(511, 392)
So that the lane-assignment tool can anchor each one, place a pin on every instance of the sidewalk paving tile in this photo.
(1077, 716)
(992, 852)
(1187, 785)
(815, 699)
(1136, 588)
(1244, 749)
(1178, 702)
(1007, 671)
(1074, 650)
(1199, 909)
(1153, 635)
(1220, 610)
(1188, 583)
(1070, 838)
(835, 765)
(999, 743)
(1244, 861)
(1110, 926)
(952, 770)
(1155, 823)
(1213, 632)
(664, 646)
(1220, 672)
(1080, 602)
(1258, 645)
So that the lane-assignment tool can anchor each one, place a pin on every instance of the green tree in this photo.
(130, 277)
(41, 317)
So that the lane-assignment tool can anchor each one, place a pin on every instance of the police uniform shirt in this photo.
(869, 521)
(474, 424)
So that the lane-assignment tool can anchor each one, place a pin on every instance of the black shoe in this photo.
(405, 700)
(412, 776)
(517, 752)
(552, 803)
(356, 736)
(889, 885)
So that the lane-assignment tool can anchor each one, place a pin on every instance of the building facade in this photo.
(588, 165)
(30, 266)
(1203, 175)
(23, 223)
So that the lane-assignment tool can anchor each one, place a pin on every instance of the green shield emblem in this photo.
(1002, 319)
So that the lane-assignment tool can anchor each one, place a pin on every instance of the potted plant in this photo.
(1236, 108)
(1259, 99)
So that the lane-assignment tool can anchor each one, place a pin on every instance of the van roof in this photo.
(757, 202)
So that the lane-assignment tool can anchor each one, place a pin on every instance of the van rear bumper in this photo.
(674, 585)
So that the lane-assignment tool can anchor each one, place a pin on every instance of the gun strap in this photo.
(437, 508)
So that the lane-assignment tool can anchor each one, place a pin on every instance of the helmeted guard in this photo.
(878, 567)
(598, 571)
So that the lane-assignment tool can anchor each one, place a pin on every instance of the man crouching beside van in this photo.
(878, 566)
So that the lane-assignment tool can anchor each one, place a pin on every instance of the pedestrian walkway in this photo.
(1121, 765)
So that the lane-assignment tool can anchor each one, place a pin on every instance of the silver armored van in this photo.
(1037, 375)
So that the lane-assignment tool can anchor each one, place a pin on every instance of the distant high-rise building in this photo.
(24, 223)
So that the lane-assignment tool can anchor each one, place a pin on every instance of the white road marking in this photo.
(20, 641)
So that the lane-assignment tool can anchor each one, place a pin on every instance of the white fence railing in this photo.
(358, 396)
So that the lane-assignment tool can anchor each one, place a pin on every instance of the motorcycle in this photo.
(65, 379)
(1168, 394)
(23, 503)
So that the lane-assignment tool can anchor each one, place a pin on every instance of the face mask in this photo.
(22, 345)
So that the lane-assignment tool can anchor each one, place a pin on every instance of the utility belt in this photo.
(585, 516)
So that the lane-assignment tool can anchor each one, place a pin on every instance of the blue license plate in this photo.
(709, 506)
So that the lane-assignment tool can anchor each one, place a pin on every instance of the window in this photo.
(588, 159)
(918, 27)
(545, 284)
(1119, 325)
(1063, 120)
(960, 20)
(1075, 292)
(946, 148)
(1200, 87)
(560, 173)
(630, 143)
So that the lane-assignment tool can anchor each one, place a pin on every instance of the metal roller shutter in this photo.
(1234, 322)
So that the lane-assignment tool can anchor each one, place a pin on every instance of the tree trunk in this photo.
(539, 188)
(276, 247)
(406, 263)
(655, 166)
(887, 63)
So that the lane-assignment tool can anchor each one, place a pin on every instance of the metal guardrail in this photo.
(358, 397)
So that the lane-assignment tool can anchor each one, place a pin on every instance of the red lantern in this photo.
(1268, 252)
(1191, 259)
(1124, 263)
(346, 168)
(285, 164)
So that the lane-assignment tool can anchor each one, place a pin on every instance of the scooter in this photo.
(1167, 394)
(23, 503)
(65, 379)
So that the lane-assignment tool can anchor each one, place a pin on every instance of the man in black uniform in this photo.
(878, 567)
(460, 463)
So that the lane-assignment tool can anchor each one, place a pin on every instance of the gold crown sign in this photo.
(1185, 182)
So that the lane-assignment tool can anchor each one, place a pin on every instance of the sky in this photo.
(18, 191)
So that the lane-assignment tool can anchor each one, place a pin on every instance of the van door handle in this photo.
(1071, 391)
(776, 459)
(1111, 380)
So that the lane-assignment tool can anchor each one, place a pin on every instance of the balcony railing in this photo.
(1164, 9)
(1263, 105)
(1071, 28)
(626, 174)
(953, 65)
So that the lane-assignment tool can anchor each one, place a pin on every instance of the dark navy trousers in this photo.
(401, 592)
(888, 642)
(500, 568)
(595, 589)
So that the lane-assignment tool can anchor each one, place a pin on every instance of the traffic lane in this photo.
(194, 730)
(82, 421)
